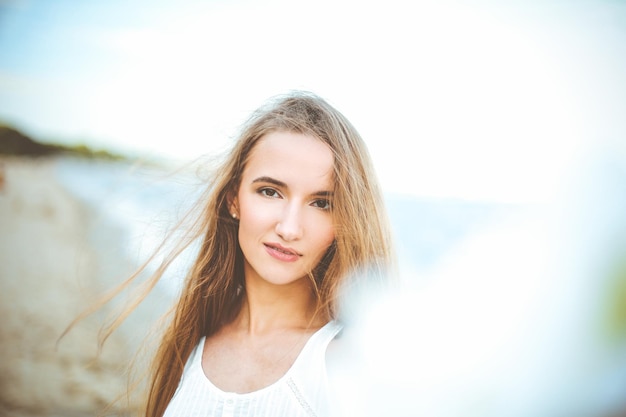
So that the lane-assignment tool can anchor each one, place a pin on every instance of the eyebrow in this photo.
(281, 184)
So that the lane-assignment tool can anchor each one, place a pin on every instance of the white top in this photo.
(302, 391)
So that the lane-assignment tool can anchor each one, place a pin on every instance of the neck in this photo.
(268, 307)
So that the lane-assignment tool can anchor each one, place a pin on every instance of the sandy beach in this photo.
(50, 271)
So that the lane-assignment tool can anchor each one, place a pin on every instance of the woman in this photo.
(292, 213)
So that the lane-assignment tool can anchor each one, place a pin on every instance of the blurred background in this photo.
(497, 130)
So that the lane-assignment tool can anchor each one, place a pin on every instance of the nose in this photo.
(289, 225)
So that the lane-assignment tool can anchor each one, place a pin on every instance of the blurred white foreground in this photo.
(525, 319)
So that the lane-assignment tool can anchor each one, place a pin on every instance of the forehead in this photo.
(292, 158)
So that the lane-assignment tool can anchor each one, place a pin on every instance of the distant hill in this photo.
(13, 142)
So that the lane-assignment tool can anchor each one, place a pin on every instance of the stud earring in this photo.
(234, 215)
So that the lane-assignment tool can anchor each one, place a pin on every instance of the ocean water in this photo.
(143, 203)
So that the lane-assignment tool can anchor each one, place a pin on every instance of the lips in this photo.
(281, 253)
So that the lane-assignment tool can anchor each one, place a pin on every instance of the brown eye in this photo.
(269, 192)
(322, 203)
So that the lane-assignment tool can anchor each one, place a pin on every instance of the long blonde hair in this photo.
(213, 291)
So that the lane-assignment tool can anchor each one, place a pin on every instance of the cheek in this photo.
(252, 213)
(248, 222)
(325, 236)
(252, 222)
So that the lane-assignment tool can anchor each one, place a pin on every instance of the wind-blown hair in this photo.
(214, 289)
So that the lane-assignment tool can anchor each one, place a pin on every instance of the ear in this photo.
(233, 204)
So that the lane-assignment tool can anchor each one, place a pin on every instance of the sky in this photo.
(475, 100)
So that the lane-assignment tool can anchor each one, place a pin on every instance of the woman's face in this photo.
(283, 206)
